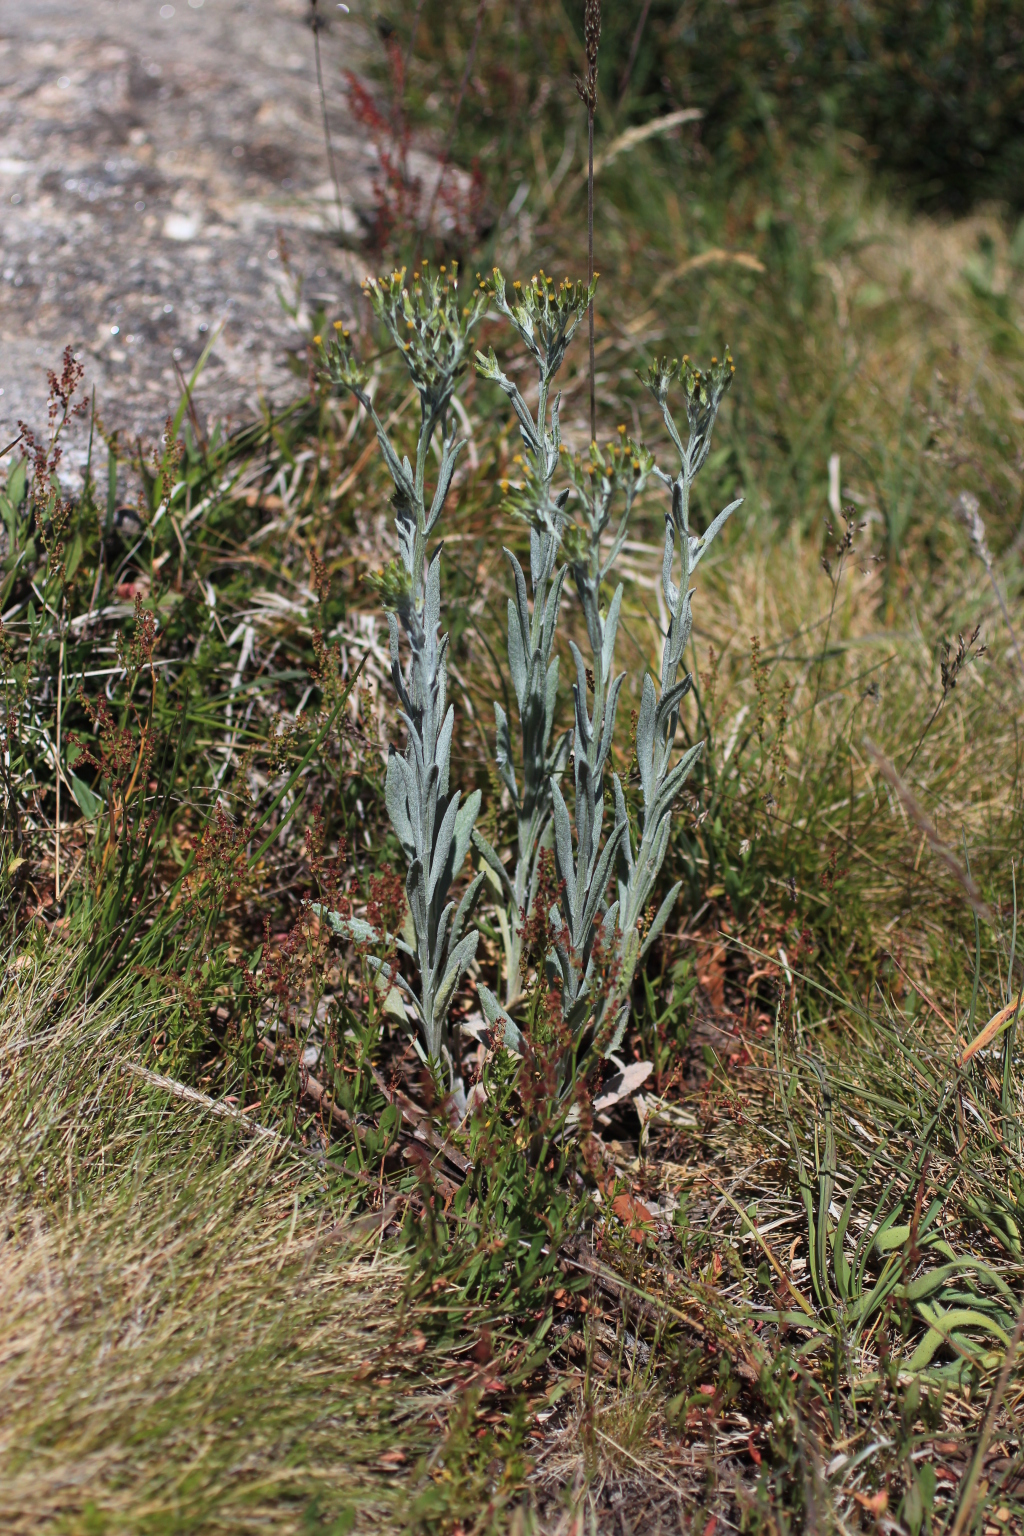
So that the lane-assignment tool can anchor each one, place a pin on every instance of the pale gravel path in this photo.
(147, 161)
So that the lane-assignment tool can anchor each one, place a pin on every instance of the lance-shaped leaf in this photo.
(498, 1019)
(602, 875)
(464, 830)
(458, 961)
(432, 607)
(609, 720)
(442, 845)
(450, 451)
(663, 915)
(699, 547)
(522, 605)
(517, 655)
(397, 801)
(625, 854)
(487, 367)
(670, 700)
(550, 700)
(503, 752)
(676, 778)
(645, 737)
(493, 861)
(466, 906)
(611, 627)
(563, 845)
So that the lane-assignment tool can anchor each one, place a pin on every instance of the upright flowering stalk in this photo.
(660, 779)
(431, 821)
(587, 939)
(597, 942)
(544, 316)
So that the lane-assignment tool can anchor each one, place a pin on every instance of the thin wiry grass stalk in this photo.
(328, 141)
(442, 163)
(587, 91)
(590, 270)
(634, 48)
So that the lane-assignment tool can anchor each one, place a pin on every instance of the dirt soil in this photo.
(151, 159)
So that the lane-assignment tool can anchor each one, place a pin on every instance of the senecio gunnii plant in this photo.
(597, 886)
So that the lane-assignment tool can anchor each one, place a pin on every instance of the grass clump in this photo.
(191, 1332)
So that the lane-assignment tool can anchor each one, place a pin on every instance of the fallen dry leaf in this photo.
(634, 1215)
(623, 1084)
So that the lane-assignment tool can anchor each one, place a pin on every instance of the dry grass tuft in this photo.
(185, 1345)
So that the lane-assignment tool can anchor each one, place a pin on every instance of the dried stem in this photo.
(323, 108)
(634, 49)
(590, 266)
(56, 850)
(470, 60)
(969, 509)
(587, 92)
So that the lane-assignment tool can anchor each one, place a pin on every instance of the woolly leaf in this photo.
(516, 655)
(663, 915)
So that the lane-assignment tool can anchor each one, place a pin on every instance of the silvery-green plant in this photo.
(598, 945)
(433, 824)
(658, 718)
(589, 947)
(544, 316)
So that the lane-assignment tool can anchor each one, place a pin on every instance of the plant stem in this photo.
(817, 686)
(587, 92)
(410, 46)
(634, 48)
(590, 264)
(323, 108)
(56, 851)
(931, 721)
(470, 59)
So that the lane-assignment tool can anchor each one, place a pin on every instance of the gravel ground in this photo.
(153, 158)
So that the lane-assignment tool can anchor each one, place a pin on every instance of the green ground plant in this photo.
(724, 1217)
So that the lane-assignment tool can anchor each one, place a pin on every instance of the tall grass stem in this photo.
(449, 141)
(590, 266)
(323, 109)
(56, 846)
